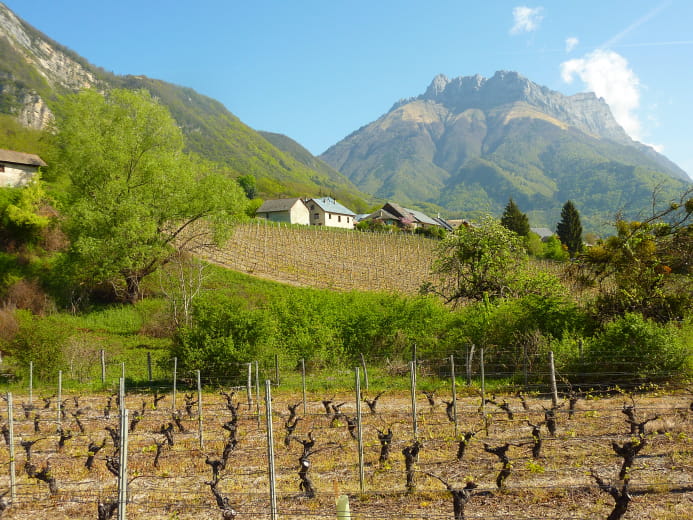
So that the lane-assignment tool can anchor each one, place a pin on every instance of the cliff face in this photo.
(34, 67)
(583, 111)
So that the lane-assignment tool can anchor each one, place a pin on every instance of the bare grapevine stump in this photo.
(92, 451)
(462, 445)
(385, 443)
(621, 497)
(501, 453)
(460, 496)
(373, 403)
(411, 456)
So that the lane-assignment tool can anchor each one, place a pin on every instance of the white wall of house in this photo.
(15, 175)
(300, 214)
(319, 217)
(297, 214)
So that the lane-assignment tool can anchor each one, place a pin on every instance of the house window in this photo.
(347, 220)
(316, 216)
(329, 215)
(2, 168)
(339, 218)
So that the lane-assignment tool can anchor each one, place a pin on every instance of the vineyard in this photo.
(425, 455)
(321, 257)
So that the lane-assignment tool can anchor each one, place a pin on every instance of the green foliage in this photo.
(482, 260)
(223, 335)
(569, 229)
(645, 267)
(632, 344)
(509, 328)
(376, 226)
(41, 341)
(249, 185)
(134, 193)
(554, 250)
(514, 219)
(19, 211)
(431, 232)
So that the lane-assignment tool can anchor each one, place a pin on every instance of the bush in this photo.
(632, 345)
(41, 341)
(223, 335)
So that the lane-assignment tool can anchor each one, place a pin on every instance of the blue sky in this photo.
(318, 70)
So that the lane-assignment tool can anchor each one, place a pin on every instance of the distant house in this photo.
(326, 211)
(409, 217)
(381, 215)
(544, 233)
(18, 168)
(444, 224)
(289, 211)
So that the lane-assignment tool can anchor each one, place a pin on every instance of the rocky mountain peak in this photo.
(584, 110)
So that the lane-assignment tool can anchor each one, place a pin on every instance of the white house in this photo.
(18, 168)
(326, 211)
(290, 211)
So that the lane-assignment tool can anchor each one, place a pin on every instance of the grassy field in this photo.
(557, 484)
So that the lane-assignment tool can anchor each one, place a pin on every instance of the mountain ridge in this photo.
(35, 71)
(469, 143)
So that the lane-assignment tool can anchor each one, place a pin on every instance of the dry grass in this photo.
(328, 258)
(557, 485)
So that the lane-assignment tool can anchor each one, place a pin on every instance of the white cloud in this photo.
(607, 74)
(527, 19)
(571, 43)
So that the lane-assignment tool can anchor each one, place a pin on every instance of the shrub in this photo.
(223, 334)
(633, 345)
(41, 341)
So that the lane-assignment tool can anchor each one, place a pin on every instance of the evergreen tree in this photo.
(514, 220)
(569, 229)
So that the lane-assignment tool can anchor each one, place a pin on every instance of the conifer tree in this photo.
(569, 229)
(514, 220)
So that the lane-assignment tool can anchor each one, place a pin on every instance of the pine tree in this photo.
(569, 229)
(514, 220)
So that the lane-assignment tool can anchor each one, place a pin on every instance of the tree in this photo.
(249, 185)
(484, 259)
(569, 229)
(514, 219)
(135, 198)
(646, 266)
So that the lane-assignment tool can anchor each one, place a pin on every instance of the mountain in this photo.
(468, 144)
(35, 70)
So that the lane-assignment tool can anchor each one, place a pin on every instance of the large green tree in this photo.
(569, 229)
(484, 260)
(135, 198)
(514, 219)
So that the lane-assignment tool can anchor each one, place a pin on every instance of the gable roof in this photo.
(330, 205)
(542, 232)
(28, 159)
(409, 214)
(422, 217)
(274, 205)
(443, 223)
(381, 214)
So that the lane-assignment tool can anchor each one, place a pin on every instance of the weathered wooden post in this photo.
(270, 449)
(13, 470)
(412, 379)
(359, 431)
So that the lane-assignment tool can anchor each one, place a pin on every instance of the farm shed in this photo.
(326, 211)
(290, 211)
(18, 168)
